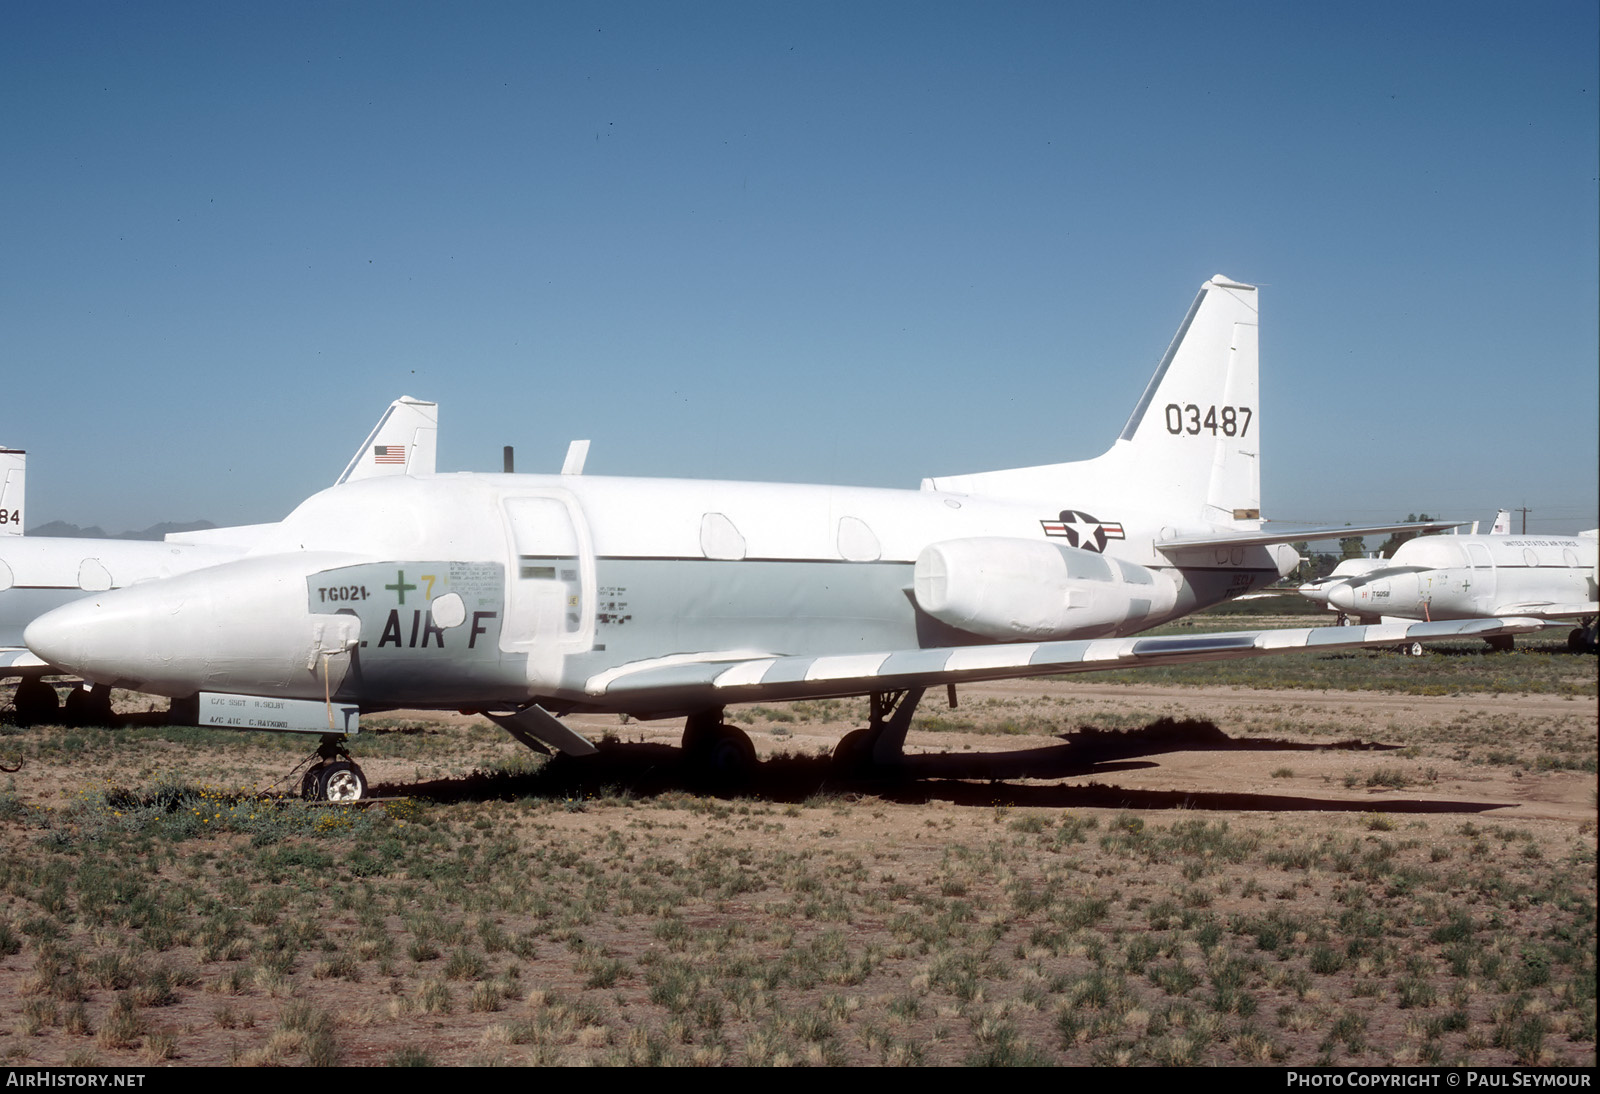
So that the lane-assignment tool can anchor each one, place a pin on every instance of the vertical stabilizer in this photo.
(1190, 450)
(1502, 523)
(402, 443)
(13, 465)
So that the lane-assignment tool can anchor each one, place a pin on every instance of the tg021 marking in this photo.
(1187, 419)
(341, 593)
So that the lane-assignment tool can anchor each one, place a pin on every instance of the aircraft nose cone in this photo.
(53, 640)
(1342, 596)
(103, 638)
(241, 626)
(1313, 590)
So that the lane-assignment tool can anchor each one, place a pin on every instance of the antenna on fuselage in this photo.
(577, 455)
(510, 460)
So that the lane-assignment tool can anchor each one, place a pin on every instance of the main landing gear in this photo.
(87, 706)
(721, 755)
(882, 744)
(36, 702)
(717, 752)
(335, 777)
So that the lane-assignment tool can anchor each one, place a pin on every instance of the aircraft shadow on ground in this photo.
(973, 779)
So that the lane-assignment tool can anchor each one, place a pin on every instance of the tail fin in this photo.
(402, 443)
(13, 464)
(1502, 523)
(1190, 449)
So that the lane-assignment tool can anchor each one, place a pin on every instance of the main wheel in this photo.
(340, 782)
(852, 756)
(36, 702)
(1502, 643)
(88, 708)
(722, 755)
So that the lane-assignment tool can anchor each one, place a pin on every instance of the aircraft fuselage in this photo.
(496, 589)
(1463, 577)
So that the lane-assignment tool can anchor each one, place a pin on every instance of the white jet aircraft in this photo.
(529, 596)
(38, 574)
(1551, 578)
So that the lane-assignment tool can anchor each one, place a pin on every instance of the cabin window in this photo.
(719, 539)
(856, 542)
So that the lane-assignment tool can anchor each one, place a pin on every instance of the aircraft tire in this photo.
(852, 756)
(36, 702)
(88, 708)
(1502, 643)
(1413, 650)
(724, 756)
(341, 781)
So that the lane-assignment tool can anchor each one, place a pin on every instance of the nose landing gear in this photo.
(335, 777)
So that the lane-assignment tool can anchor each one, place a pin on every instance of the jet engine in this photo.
(1019, 589)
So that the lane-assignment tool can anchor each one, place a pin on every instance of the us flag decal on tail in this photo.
(388, 453)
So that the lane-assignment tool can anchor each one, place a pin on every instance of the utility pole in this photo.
(1524, 511)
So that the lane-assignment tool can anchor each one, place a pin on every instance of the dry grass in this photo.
(566, 918)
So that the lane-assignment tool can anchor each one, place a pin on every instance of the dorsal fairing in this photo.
(454, 516)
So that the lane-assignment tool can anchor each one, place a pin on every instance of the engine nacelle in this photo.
(1022, 589)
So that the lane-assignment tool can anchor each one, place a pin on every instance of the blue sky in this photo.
(856, 243)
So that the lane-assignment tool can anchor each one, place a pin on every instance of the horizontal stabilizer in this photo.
(242, 536)
(770, 679)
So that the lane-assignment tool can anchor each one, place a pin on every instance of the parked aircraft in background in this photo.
(529, 596)
(39, 573)
(13, 488)
(1552, 578)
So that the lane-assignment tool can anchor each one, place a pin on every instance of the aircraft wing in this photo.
(1549, 610)
(1374, 575)
(1294, 533)
(739, 677)
(16, 659)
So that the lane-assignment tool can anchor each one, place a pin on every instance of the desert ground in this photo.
(1070, 871)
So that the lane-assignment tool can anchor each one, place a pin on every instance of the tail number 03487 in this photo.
(1230, 421)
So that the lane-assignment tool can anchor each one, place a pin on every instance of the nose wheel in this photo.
(335, 777)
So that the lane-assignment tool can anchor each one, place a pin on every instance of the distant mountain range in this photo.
(60, 529)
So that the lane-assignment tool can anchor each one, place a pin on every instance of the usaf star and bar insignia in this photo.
(1082, 530)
